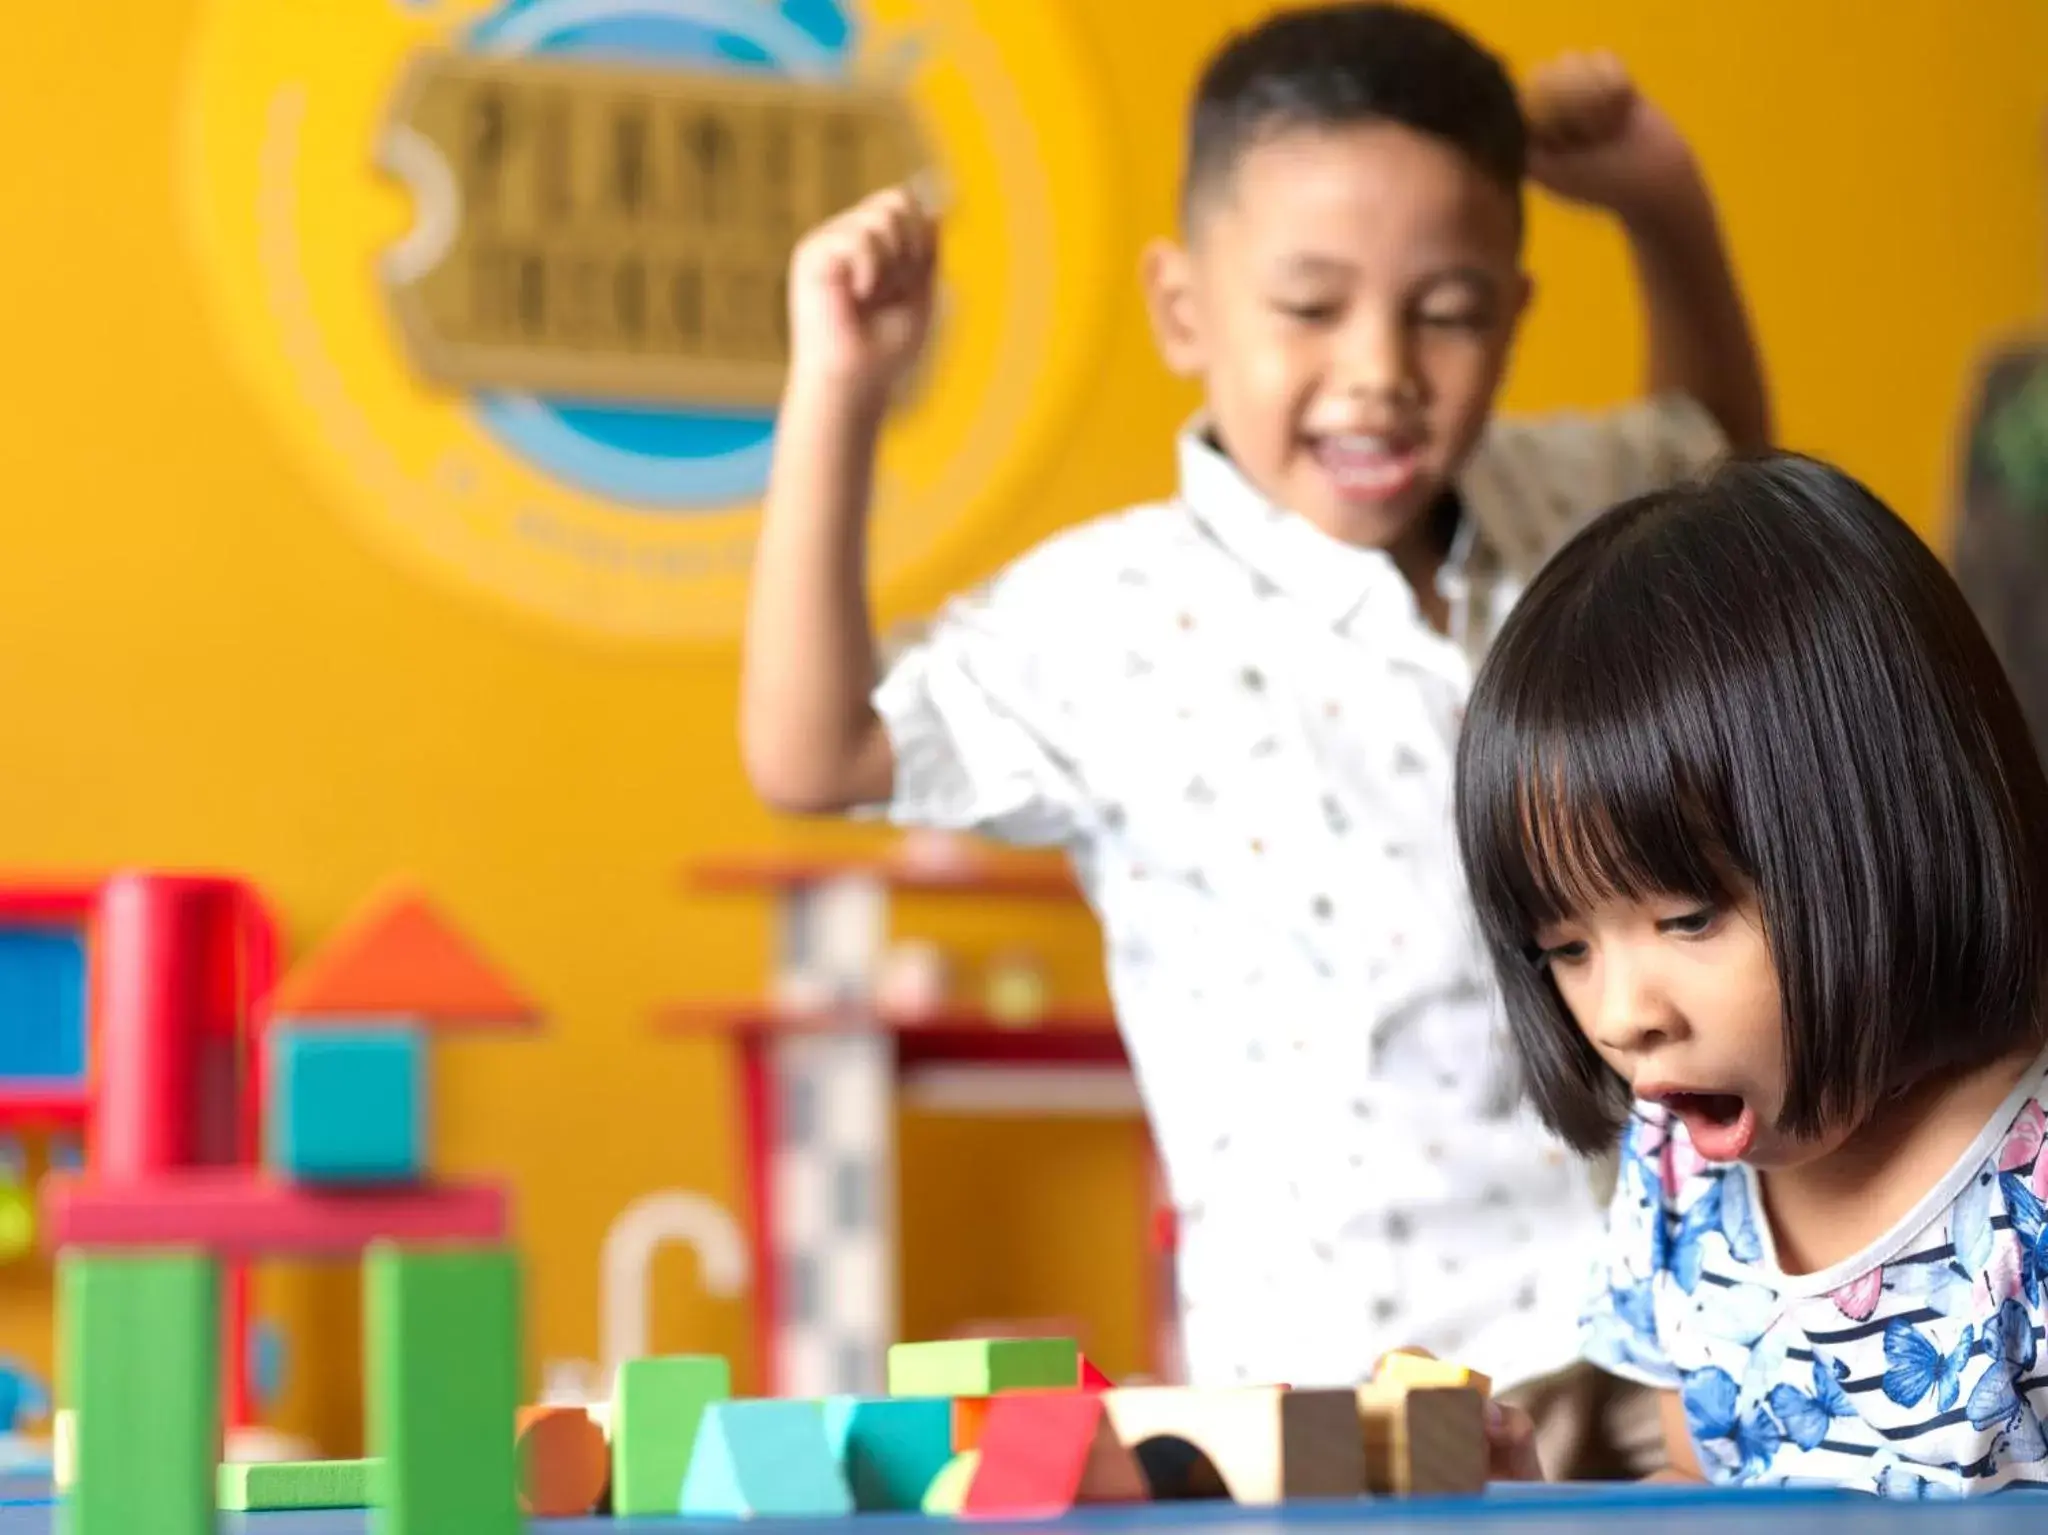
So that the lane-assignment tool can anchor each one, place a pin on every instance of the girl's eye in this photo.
(1694, 924)
(1558, 954)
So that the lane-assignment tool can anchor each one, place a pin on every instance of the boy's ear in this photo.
(1169, 279)
(1524, 297)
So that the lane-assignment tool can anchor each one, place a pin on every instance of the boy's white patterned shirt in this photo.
(1243, 731)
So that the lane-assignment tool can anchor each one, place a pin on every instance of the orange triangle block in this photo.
(401, 957)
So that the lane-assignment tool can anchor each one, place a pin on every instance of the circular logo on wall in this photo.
(509, 275)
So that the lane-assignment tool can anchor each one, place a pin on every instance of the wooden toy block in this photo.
(1403, 1369)
(63, 1448)
(657, 1405)
(564, 1462)
(970, 1413)
(346, 1106)
(231, 1213)
(401, 957)
(140, 1362)
(970, 1417)
(442, 1387)
(1043, 1453)
(1093, 1379)
(982, 1366)
(1423, 1441)
(948, 1490)
(264, 1485)
(889, 1448)
(1265, 1444)
(764, 1459)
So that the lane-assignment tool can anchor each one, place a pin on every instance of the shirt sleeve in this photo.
(984, 709)
(1618, 1331)
(1535, 482)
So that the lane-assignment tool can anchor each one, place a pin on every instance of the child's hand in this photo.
(1511, 1444)
(860, 293)
(1594, 139)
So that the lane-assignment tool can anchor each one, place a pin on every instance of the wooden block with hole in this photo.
(1045, 1453)
(1425, 1441)
(565, 1462)
(1257, 1445)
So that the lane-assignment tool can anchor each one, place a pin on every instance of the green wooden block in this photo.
(266, 1485)
(982, 1366)
(656, 1407)
(442, 1336)
(890, 1448)
(764, 1460)
(141, 1369)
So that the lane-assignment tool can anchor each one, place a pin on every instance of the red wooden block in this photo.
(1042, 1453)
(234, 1213)
(1093, 1379)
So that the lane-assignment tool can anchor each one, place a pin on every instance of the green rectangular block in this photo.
(982, 1366)
(441, 1375)
(260, 1486)
(139, 1363)
(657, 1405)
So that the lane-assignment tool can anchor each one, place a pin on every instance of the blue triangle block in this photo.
(890, 1448)
(764, 1459)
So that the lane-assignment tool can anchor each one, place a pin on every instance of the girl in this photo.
(1759, 845)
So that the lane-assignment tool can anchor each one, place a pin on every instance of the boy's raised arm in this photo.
(860, 306)
(1595, 140)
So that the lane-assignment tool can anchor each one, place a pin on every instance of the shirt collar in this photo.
(1332, 577)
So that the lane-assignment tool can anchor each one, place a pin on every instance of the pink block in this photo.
(237, 1213)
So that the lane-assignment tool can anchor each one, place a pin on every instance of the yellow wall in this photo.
(201, 663)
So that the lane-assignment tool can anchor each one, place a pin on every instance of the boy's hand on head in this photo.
(1594, 139)
(860, 293)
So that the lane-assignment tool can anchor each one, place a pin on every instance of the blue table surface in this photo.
(26, 1509)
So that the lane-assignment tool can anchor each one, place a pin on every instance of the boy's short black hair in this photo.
(1764, 682)
(1332, 66)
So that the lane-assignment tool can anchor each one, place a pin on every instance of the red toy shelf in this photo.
(958, 1036)
(1035, 879)
(23, 1103)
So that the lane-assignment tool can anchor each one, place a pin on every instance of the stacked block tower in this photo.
(344, 1059)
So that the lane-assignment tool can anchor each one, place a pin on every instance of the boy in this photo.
(1236, 710)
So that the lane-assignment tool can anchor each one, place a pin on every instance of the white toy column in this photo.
(833, 1167)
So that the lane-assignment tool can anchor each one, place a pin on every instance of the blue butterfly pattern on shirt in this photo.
(1915, 1365)
(2030, 1225)
(1713, 1412)
(1723, 1209)
(1806, 1419)
(1997, 1397)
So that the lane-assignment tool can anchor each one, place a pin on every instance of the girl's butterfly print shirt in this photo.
(1915, 1368)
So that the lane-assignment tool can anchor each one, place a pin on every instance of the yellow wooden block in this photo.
(1413, 1370)
(1265, 1444)
(1425, 1441)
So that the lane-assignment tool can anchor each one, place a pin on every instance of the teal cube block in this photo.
(764, 1459)
(889, 1448)
(347, 1105)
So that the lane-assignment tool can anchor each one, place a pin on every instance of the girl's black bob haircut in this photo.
(1764, 683)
